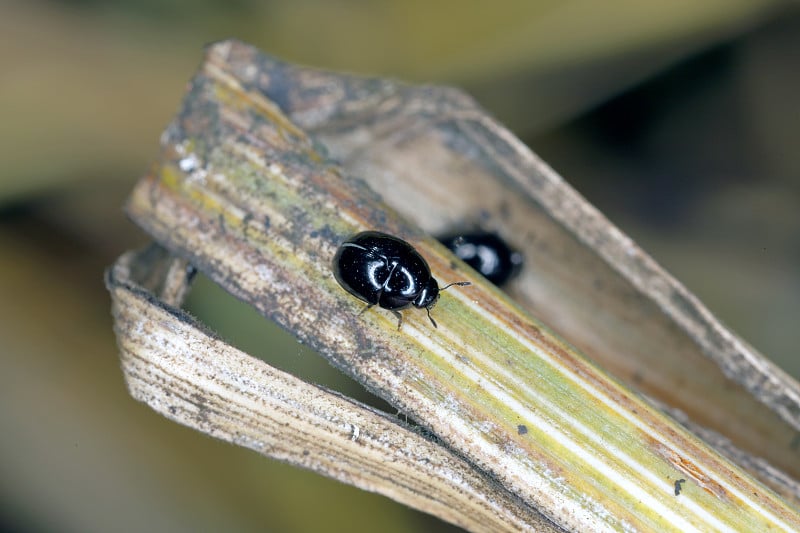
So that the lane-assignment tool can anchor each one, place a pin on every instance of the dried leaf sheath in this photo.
(244, 195)
(197, 380)
(440, 161)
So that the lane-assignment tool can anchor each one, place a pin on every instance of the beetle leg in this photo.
(428, 309)
(367, 308)
(399, 316)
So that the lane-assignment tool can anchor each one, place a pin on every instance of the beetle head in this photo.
(430, 295)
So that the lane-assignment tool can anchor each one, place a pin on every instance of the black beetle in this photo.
(386, 271)
(487, 253)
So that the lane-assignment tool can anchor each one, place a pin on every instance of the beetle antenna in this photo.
(459, 283)
(428, 307)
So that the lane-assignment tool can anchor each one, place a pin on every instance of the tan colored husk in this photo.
(246, 196)
(197, 380)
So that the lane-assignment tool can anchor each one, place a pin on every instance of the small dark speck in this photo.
(305, 452)
(313, 234)
(521, 429)
(191, 272)
(505, 210)
(678, 483)
(266, 222)
(380, 219)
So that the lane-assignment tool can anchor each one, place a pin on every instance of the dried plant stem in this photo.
(197, 380)
(249, 199)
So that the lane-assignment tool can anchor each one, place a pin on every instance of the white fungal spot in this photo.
(263, 272)
(189, 163)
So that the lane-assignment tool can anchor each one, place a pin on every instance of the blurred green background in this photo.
(678, 119)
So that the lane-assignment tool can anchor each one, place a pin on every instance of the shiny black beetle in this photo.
(388, 272)
(487, 253)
